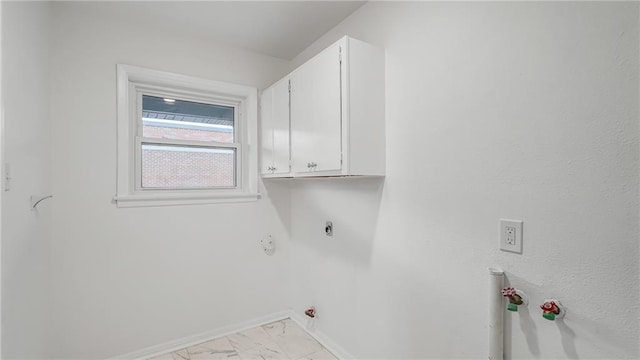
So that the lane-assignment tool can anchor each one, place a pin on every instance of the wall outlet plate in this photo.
(511, 235)
(268, 245)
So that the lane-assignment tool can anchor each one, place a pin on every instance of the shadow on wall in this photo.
(527, 325)
(591, 330)
(568, 337)
(352, 204)
(279, 192)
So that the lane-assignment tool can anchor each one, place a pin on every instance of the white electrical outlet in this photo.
(511, 235)
(268, 245)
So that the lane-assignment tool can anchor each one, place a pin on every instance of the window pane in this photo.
(187, 167)
(164, 118)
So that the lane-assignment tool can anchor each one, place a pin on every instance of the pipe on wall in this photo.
(496, 323)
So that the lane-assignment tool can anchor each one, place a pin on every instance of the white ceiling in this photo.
(277, 28)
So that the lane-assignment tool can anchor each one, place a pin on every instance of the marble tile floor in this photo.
(282, 339)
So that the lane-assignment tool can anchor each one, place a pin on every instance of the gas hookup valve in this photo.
(310, 312)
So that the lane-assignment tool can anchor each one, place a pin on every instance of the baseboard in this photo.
(174, 345)
(321, 337)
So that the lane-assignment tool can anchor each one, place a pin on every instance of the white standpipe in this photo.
(496, 311)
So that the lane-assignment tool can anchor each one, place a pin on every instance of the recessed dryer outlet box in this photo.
(328, 228)
(511, 235)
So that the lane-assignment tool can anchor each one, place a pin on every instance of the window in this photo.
(186, 145)
(184, 140)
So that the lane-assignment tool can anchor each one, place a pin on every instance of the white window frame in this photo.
(132, 83)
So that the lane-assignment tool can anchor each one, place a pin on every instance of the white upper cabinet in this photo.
(275, 130)
(336, 114)
(316, 114)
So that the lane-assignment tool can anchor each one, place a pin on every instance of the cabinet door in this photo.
(266, 112)
(315, 114)
(280, 127)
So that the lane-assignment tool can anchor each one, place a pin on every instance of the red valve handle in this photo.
(508, 292)
(550, 307)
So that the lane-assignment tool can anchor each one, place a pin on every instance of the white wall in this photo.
(124, 279)
(521, 110)
(494, 110)
(25, 233)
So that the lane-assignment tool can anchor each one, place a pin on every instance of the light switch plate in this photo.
(511, 235)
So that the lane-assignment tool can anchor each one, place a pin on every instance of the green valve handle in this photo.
(549, 316)
(512, 307)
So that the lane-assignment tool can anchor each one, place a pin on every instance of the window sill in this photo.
(144, 200)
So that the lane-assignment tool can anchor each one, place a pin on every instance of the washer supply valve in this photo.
(516, 298)
(552, 309)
